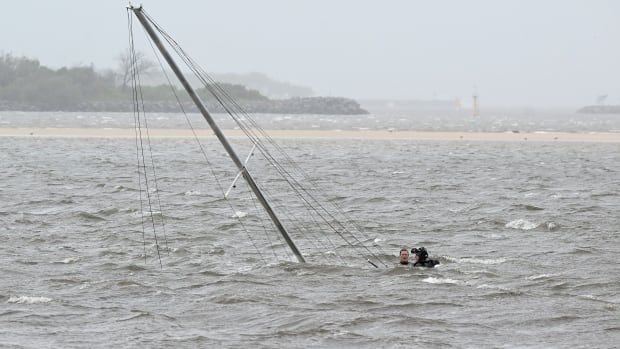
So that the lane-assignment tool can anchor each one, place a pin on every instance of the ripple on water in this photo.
(89, 216)
(529, 207)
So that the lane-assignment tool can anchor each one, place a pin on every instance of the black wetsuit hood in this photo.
(423, 260)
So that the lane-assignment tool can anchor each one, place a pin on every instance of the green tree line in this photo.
(24, 81)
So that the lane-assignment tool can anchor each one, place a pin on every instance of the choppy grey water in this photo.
(418, 120)
(527, 234)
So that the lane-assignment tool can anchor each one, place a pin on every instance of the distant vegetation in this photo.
(24, 81)
(264, 84)
(26, 85)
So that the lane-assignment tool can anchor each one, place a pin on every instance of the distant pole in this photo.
(476, 109)
(218, 133)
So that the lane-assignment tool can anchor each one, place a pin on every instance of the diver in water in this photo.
(421, 258)
(404, 256)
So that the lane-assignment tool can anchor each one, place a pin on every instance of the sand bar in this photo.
(320, 134)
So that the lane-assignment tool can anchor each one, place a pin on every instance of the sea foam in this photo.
(476, 260)
(239, 214)
(28, 300)
(522, 224)
(434, 280)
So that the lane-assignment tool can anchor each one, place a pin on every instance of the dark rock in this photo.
(305, 105)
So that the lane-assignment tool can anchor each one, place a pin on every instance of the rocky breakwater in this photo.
(306, 105)
(600, 109)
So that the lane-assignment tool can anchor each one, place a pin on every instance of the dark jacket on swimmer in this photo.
(422, 259)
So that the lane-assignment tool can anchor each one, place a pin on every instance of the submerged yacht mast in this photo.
(218, 132)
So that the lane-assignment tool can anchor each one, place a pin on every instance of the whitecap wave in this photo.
(239, 214)
(28, 300)
(538, 277)
(138, 214)
(551, 226)
(611, 305)
(476, 260)
(434, 280)
(493, 287)
(70, 260)
(484, 261)
(192, 193)
(521, 224)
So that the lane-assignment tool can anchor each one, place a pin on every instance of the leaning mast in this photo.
(218, 132)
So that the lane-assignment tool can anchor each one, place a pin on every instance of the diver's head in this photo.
(420, 253)
(404, 256)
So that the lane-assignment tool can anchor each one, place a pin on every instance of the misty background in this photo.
(543, 54)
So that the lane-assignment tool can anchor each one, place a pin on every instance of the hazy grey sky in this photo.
(517, 53)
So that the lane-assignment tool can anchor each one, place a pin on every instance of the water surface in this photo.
(527, 234)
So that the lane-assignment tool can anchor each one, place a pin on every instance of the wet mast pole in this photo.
(218, 132)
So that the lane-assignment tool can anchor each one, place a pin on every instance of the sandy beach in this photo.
(320, 134)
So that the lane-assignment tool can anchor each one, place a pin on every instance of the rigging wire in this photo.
(135, 108)
(209, 85)
(245, 124)
(261, 220)
(299, 222)
(296, 186)
(202, 149)
(150, 151)
(137, 95)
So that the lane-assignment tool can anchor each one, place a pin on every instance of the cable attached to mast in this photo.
(138, 104)
(348, 230)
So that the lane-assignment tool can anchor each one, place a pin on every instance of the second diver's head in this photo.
(420, 254)
(404, 256)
